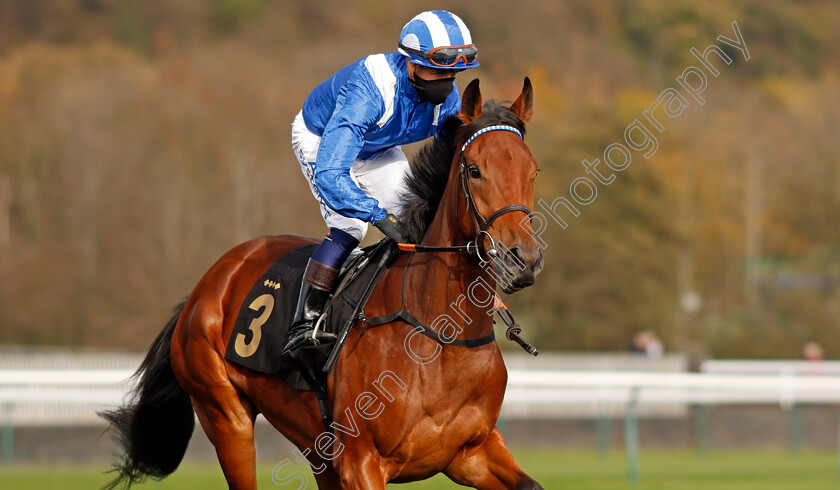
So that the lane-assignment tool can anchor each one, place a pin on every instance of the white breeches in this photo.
(382, 177)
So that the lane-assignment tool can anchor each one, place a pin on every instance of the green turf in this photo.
(579, 470)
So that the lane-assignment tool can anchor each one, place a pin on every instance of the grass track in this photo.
(554, 469)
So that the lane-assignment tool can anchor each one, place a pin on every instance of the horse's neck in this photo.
(439, 281)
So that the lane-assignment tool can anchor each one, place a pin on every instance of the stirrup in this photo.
(308, 336)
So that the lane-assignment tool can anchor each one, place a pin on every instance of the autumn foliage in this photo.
(141, 140)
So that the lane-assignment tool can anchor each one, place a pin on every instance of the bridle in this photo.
(480, 223)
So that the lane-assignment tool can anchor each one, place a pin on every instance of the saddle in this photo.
(262, 324)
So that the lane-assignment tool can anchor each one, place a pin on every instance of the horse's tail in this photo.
(155, 427)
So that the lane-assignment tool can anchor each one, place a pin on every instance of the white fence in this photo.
(544, 393)
(66, 388)
(61, 387)
(53, 397)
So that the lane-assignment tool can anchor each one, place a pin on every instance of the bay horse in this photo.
(405, 407)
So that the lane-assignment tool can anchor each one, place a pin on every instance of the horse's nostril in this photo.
(515, 256)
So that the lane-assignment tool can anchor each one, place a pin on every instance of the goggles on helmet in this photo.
(446, 56)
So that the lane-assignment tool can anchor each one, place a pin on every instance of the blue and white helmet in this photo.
(438, 39)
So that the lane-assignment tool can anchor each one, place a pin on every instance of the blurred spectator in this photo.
(812, 351)
(647, 343)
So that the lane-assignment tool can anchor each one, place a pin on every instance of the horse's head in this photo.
(496, 186)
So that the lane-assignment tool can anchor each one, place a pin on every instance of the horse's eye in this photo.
(474, 173)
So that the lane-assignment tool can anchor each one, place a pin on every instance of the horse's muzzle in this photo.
(518, 268)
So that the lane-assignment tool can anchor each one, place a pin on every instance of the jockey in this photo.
(347, 140)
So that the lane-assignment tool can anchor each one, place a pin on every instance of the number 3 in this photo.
(243, 349)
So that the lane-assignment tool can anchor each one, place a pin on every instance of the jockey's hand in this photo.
(392, 228)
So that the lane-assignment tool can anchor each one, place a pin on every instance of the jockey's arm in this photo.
(357, 110)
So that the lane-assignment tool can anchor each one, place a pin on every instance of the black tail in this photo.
(155, 427)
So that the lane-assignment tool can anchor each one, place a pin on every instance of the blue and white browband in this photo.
(500, 127)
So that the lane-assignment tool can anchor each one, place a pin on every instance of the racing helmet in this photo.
(438, 39)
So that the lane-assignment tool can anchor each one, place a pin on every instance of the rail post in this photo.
(602, 430)
(631, 437)
(797, 427)
(8, 433)
(701, 429)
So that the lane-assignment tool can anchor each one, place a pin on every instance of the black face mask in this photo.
(433, 91)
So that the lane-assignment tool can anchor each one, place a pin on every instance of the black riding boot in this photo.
(318, 282)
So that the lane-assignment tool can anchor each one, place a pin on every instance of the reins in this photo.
(512, 332)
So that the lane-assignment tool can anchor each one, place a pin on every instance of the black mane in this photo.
(425, 186)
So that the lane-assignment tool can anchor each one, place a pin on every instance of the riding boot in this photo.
(318, 282)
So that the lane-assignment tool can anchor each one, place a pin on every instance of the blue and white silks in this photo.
(364, 109)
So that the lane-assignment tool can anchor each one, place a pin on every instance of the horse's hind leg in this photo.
(226, 416)
(489, 465)
(231, 430)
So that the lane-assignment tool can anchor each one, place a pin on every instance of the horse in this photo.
(406, 407)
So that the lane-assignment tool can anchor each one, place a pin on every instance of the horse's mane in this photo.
(425, 186)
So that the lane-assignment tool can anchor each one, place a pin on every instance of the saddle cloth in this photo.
(262, 326)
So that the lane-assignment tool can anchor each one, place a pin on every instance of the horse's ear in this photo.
(471, 103)
(524, 104)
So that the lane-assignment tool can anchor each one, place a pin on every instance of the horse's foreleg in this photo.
(489, 465)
